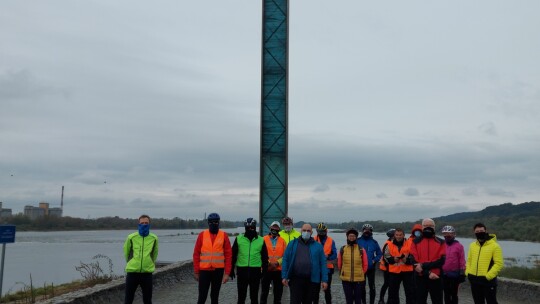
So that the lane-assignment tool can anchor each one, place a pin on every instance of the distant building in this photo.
(4, 212)
(33, 212)
(55, 212)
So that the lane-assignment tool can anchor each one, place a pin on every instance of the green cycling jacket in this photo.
(141, 252)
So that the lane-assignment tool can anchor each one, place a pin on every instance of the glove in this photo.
(232, 275)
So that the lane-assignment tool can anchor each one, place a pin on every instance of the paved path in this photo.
(186, 292)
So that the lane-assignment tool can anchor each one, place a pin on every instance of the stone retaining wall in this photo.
(176, 273)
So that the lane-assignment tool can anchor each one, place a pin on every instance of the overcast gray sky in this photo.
(398, 109)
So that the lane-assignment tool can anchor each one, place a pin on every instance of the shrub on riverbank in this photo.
(522, 273)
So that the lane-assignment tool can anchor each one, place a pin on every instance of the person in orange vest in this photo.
(384, 266)
(330, 252)
(212, 260)
(400, 268)
(275, 245)
(353, 264)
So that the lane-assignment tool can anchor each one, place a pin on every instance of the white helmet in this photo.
(449, 229)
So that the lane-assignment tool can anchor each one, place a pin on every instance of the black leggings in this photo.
(133, 280)
(209, 278)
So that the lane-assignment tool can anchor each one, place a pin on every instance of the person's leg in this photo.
(265, 286)
(421, 289)
(215, 281)
(146, 287)
(435, 291)
(328, 291)
(204, 286)
(370, 274)
(295, 290)
(277, 286)
(384, 287)
(314, 290)
(132, 283)
(360, 292)
(409, 287)
(348, 291)
(477, 293)
(254, 282)
(394, 280)
(490, 293)
(242, 281)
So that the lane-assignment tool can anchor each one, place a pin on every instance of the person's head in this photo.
(144, 219)
(274, 228)
(449, 234)
(144, 225)
(250, 224)
(428, 228)
(287, 223)
(367, 230)
(480, 231)
(399, 235)
(390, 233)
(306, 231)
(213, 222)
(352, 235)
(416, 231)
(322, 230)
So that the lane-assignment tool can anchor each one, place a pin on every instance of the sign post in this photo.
(7, 235)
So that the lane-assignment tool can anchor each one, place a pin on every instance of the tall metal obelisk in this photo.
(274, 113)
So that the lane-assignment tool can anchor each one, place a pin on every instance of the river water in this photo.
(51, 257)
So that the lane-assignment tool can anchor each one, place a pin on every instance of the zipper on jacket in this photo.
(142, 253)
(352, 263)
(478, 259)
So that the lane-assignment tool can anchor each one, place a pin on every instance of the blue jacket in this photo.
(373, 250)
(319, 272)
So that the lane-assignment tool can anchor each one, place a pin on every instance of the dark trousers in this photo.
(273, 277)
(133, 280)
(484, 294)
(425, 285)
(302, 290)
(327, 292)
(355, 292)
(209, 278)
(248, 276)
(370, 277)
(384, 286)
(450, 286)
(395, 280)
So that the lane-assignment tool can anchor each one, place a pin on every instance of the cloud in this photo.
(470, 191)
(411, 192)
(321, 188)
(381, 195)
(488, 128)
(499, 192)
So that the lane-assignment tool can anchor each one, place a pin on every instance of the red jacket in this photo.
(227, 251)
(430, 252)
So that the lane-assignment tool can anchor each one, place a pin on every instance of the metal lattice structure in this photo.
(274, 114)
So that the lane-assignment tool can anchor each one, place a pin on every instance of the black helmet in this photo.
(321, 227)
(390, 233)
(351, 230)
(250, 222)
(287, 221)
(213, 217)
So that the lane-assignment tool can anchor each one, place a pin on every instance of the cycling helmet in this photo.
(390, 233)
(287, 221)
(351, 230)
(250, 222)
(321, 227)
(449, 229)
(213, 217)
(367, 226)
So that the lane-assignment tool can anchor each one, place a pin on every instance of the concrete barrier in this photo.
(509, 290)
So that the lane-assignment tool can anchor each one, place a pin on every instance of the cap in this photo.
(275, 223)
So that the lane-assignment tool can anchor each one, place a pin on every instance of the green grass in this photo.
(522, 273)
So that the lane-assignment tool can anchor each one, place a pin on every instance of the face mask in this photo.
(274, 232)
(368, 233)
(428, 232)
(417, 233)
(213, 227)
(350, 243)
(449, 239)
(144, 230)
(481, 236)
(306, 235)
(321, 234)
(250, 233)
(288, 228)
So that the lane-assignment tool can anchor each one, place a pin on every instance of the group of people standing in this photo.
(423, 263)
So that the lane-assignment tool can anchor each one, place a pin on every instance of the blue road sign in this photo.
(7, 234)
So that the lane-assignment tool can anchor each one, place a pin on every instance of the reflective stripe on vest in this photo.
(327, 249)
(275, 253)
(212, 255)
(351, 264)
(395, 252)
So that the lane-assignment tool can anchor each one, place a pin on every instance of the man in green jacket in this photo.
(140, 251)
(484, 261)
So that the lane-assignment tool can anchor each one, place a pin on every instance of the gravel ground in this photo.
(187, 293)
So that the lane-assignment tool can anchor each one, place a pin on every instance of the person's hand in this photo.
(196, 276)
(418, 268)
(285, 282)
(324, 286)
(232, 275)
(433, 276)
(396, 259)
(225, 278)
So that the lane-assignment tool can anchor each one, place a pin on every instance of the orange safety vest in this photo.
(393, 250)
(212, 255)
(275, 253)
(327, 249)
(383, 264)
